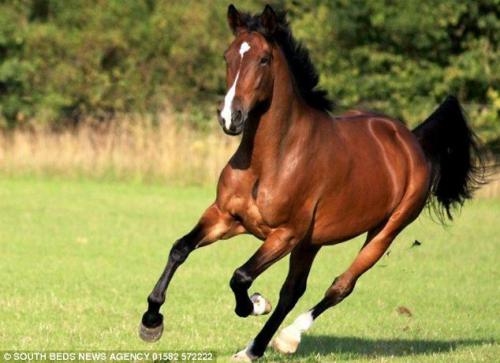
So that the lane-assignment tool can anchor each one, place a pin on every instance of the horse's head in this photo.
(249, 72)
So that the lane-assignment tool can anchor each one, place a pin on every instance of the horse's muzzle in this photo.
(238, 119)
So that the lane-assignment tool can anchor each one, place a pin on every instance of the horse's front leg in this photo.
(213, 225)
(301, 260)
(277, 245)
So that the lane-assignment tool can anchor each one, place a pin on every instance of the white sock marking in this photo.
(228, 100)
(300, 325)
(303, 322)
(245, 354)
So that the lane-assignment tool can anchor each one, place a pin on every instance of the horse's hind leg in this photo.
(293, 288)
(377, 243)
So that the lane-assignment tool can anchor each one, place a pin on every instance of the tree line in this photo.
(62, 61)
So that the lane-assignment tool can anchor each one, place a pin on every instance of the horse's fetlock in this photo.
(152, 320)
(156, 298)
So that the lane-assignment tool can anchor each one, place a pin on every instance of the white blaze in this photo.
(228, 100)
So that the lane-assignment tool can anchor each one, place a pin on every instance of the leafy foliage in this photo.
(64, 60)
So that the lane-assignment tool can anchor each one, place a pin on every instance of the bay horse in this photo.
(302, 178)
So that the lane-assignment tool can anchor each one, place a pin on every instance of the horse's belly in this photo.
(327, 231)
(355, 210)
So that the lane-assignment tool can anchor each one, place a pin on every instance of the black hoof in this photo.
(150, 334)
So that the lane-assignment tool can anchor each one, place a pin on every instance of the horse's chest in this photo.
(253, 200)
(257, 209)
(244, 207)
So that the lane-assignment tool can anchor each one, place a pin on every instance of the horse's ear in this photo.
(269, 20)
(234, 19)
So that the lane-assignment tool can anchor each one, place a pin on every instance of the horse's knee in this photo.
(240, 280)
(179, 252)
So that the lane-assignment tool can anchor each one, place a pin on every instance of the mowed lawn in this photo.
(78, 259)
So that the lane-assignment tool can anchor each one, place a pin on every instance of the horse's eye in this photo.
(264, 60)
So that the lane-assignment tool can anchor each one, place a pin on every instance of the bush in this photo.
(62, 61)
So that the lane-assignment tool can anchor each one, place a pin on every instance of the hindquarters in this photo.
(418, 174)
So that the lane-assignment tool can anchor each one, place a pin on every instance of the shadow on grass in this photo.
(362, 347)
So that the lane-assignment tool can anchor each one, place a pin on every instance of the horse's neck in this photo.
(264, 141)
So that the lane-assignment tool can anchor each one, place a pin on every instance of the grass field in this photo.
(79, 259)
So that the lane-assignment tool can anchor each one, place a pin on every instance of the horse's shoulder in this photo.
(234, 184)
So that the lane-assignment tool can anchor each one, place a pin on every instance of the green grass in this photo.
(79, 259)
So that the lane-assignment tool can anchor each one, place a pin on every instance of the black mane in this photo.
(302, 68)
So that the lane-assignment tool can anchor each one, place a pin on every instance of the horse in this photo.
(302, 178)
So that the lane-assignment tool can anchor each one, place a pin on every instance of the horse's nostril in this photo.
(238, 116)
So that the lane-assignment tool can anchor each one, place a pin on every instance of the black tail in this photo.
(453, 149)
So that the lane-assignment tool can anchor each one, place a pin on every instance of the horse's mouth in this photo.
(232, 132)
